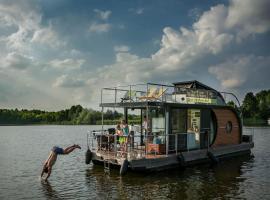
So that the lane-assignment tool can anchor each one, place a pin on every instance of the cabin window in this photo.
(178, 120)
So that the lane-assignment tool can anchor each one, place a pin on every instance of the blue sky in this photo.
(55, 54)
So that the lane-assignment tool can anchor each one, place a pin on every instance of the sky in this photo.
(59, 53)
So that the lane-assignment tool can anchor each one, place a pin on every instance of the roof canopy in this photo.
(192, 84)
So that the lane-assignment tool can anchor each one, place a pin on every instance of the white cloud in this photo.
(121, 48)
(241, 71)
(27, 28)
(195, 13)
(66, 81)
(104, 15)
(24, 19)
(99, 28)
(46, 36)
(248, 17)
(17, 61)
(69, 64)
(183, 51)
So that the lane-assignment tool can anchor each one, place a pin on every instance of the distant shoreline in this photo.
(246, 126)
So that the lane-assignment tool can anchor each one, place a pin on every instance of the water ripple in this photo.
(241, 178)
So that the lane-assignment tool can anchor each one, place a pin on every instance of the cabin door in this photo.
(205, 128)
(178, 129)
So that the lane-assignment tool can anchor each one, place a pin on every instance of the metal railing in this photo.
(130, 147)
(159, 93)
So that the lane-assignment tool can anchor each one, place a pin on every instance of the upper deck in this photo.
(151, 94)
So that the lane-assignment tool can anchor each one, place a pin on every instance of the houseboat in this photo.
(182, 124)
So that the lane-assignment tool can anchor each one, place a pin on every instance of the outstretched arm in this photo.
(49, 173)
(43, 169)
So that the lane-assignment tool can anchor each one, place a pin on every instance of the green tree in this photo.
(263, 99)
(250, 105)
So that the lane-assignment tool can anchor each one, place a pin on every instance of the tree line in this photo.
(75, 115)
(255, 109)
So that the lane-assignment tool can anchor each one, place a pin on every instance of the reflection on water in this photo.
(204, 182)
(49, 192)
(25, 148)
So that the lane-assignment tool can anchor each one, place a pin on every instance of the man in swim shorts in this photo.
(47, 167)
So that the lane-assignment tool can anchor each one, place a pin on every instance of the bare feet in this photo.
(77, 146)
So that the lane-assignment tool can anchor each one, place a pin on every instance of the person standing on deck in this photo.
(47, 167)
(146, 128)
(125, 131)
(145, 125)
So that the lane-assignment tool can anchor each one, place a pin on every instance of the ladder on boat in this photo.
(107, 160)
(106, 166)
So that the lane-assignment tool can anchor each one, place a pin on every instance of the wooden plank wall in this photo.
(224, 138)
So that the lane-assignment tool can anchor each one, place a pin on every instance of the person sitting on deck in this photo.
(47, 167)
(118, 130)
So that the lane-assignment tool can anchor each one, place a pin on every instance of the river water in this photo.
(24, 148)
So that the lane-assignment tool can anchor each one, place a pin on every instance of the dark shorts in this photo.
(58, 150)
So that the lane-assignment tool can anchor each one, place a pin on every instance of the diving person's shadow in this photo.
(49, 192)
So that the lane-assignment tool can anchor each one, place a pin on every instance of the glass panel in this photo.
(193, 128)
(177, 137)
(157, 125)
(178, 120)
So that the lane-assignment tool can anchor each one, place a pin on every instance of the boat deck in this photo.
(158, 162)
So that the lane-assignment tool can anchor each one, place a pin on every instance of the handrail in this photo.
(170, 94)
(233, 96)
(105, 143)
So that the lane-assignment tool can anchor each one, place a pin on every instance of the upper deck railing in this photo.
(152, 92)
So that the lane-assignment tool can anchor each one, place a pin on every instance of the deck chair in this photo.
(156, 95)
(129, 96)
(150, 93)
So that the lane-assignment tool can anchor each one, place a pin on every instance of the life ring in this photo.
(88, 156)
(124, 167)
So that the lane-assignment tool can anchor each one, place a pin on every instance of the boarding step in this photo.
(106, 166)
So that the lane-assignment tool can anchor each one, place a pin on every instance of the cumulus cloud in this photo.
(186, 53)
(26, 21)
(209, 49)
(104, 15)
(99, 27)
(66, 81)
(17, 61)
(195, 13)
(46, 36)
(236, 71)
(248, 17)
(69, 64)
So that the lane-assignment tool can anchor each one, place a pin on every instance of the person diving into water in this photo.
(47, 167)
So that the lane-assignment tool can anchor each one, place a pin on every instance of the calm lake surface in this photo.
(24, 148)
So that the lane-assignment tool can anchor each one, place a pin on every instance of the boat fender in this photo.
(181, 160)
(124, 167)
(88, 156)
(212, 157)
